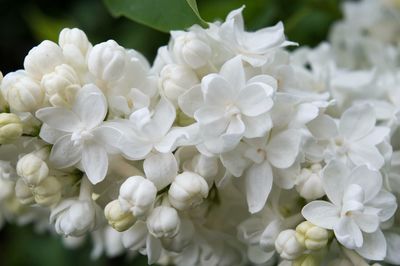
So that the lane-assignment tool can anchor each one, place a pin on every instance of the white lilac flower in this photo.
(357, 207)
(79, 135)
(228, 107)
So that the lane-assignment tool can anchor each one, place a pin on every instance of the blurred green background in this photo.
(24, 24)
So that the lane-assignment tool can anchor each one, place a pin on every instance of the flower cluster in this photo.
(227, 150)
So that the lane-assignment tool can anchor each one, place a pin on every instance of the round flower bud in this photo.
(7, 188)
(61, 85)
(287, 245)
(23, 93)
(163, 221)
(75, 46)
(42, 59)
(106, 61)
(117, 218)
(311, 236)
(306, 260)
(137, 195)
(32, 169)
(188, 190)
(189, 49)
(48, 192)
(175, 80)
(309, 183)
(23, 193)
(10, 128)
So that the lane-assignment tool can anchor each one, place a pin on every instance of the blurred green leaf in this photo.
(162, 15)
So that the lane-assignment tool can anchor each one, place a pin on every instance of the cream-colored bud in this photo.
(7, 188)
(61, 85)
(287, 245)
(311, 236)
(42, 59)
(175, 80)
(163, 221)
(24, 193)
(10, 128)
(188, 190)
(32, 169)
(48, 192)
(306, 260)
(22, 93)
(309, 183)
(75, 46)
(191, 50)
(120, 220)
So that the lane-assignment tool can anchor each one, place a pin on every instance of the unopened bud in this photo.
(191, 50)
(48, 192)
(188, 190)
(120, 220)
(10, 128)
(163, 221)
(32, 169)
(24, 193)
(309, 183)
(310, 236)
(287, 245)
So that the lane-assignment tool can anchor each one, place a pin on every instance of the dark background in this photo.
(24, 24)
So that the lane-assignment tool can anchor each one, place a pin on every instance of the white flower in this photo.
(23, 93)
(252, 46)
(227, 107)
(42, 59)
(354, 140)
(120, 220)
(137, 195)
(287, 245)
(10, 127)
(163, 221)
(32, 169)
(187, 190)
(79, 135)
(358, 206)
(309, 182)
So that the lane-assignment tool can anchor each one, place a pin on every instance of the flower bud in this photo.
(189, 49)
(188, 190)
(309, 183)
(137, 194)
(175, 80)
(306, 260)
(23, 193)
(42, 59)
(287, 245)
(61, 85)
(48, 192)
(32, 169)
(75, 46)
(7, 188)
(117, 218)
(311, 236)
(163, 221)
(23, 93)
(182, 239)
(10, 127)
(106, 61)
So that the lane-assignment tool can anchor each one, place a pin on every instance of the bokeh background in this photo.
(24, 24)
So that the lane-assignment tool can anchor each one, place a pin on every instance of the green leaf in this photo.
(163, 15)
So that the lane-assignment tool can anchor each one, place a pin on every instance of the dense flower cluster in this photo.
(228, 150)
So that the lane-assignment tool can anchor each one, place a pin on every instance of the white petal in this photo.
(393, 244)
(348, 233)
(161, 169)
(254, 99)
(94, 162)
(217, 91)
(369, 180)
(164, 116)
(90, 106)
(50, 134)
(191, 100)
(212, 120)
(258, 180)
(376, 136)
(64, 153)
(374, 246)
(386, 203)
(59, 118)
(283, 148)
(334, 178)
(368, 223)
(233, 72)
(369, 155)
(234, 161)
(321, 213)
(135, 237)
(179, 136)
(357, 121)
(153, 249)
(323, 127)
